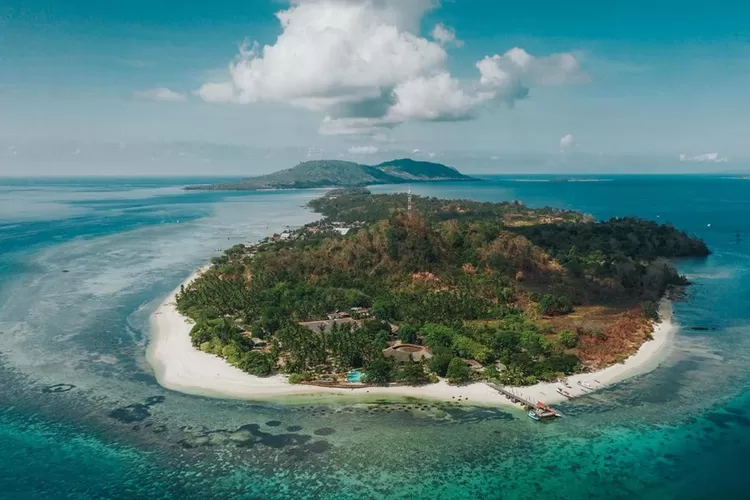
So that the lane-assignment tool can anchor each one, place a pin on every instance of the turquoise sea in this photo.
(84, 262)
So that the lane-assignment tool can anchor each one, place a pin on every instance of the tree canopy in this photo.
(489, 282)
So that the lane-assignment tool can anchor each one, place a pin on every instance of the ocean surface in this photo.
(84, 262)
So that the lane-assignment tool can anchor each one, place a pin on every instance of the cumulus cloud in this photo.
(435, 98)
(363, 150)
(363, 64)
(216, 92)
(159, 94)
(704, 158)
(567, 141)
(513, 73)
(445, 35)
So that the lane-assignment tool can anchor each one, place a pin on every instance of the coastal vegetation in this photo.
(452, 289)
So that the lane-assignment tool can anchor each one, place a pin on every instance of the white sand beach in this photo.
(180, 367)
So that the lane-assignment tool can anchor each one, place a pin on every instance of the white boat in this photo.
(585, 385)
(565, 393)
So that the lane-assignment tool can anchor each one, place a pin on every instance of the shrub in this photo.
(407, 333)
(554, 305)
(414, 374)
(491, 372)
(458, 372)
(379, 372)
(650, 310)
(438, 335)
(567, 338)
(255, 363)
(383, 309)
(298, 378)
(440, 360)
(469, 348)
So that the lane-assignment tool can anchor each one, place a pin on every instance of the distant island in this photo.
(411, 293)
(336, 173)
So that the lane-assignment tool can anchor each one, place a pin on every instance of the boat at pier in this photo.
(543, 412)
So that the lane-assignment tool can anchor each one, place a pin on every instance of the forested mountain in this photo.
(332, 173)
(544, 292)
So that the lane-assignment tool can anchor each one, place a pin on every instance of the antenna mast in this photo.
(408, 201)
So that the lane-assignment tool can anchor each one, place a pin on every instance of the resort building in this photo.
(403, 352)
(327, 324)
(338, 315)
(360, 312)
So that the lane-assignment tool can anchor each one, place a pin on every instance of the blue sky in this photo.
(120, 87)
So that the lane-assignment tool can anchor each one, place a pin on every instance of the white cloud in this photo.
(216, 92)
(159, 94)
(567, 141)
(704, 158)
(512, 74)
(363, 150)
(353, 126)
(436, 98)
(445, 35)
(334, 52)
(361, 63)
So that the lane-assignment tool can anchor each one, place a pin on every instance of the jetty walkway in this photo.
(513, 397)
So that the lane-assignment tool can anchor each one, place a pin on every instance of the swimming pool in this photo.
(354, 376)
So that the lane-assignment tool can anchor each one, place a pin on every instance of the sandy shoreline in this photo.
(180, 367)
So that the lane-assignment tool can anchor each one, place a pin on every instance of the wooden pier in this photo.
(537, 410)
(513, 397)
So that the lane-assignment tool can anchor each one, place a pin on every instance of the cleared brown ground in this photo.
(607, 334)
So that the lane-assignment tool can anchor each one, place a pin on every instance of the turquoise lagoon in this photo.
(81, 415)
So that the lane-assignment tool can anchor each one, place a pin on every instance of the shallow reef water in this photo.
(81, 415)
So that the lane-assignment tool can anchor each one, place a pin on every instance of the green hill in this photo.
(336, 173)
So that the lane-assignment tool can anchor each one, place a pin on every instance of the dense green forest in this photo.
(507, 286)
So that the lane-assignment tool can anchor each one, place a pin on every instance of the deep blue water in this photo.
(76, 420)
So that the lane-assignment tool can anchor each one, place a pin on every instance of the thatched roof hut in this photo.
(403, 352)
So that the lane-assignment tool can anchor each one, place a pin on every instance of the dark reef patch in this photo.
(132, 413)
(137, 412)
(155, 400)
(58, 388)
(723, 419)
(318, 446)
(325, 431)
(249, 435)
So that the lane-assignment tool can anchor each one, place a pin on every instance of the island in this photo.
(425, 297)
(337, 173)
